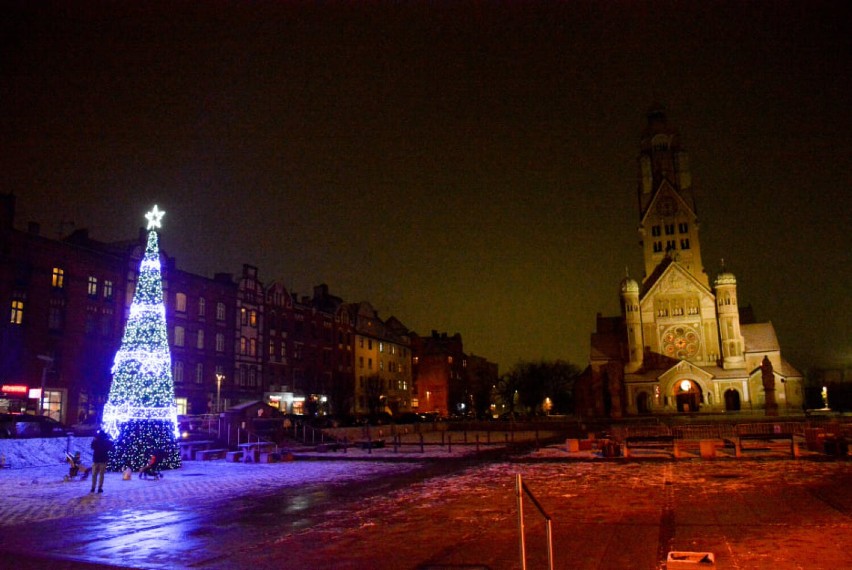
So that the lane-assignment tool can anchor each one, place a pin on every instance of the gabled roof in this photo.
(679, 368)
(666, 266)
(665, 189)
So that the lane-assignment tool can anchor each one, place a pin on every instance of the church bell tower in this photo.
(668, 222)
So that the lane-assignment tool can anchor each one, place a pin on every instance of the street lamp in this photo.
(219, 378)
(48, 360)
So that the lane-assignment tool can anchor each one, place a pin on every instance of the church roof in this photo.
(760, 337)
(606, 345)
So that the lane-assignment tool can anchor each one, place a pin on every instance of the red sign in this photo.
(14, 389)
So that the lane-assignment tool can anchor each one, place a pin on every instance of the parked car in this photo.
(28, 425)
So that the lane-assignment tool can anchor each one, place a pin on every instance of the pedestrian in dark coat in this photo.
(101, 446)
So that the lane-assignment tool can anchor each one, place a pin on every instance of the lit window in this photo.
(253, 318)
(17, 312)
(243, 316)
(107, 289)
(180, 302)
(381, 347)
(253, 347)
(179, 336)
(243, 345)
(93, 286)
(58, 278)
(220, 311)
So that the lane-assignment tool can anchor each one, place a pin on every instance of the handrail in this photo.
(521, 488)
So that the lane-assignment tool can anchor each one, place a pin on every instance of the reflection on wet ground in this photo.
(606, 515)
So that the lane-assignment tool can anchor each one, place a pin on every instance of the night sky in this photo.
(464, 167)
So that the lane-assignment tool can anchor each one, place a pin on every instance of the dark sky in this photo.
(465, 167)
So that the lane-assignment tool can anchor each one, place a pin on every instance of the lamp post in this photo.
(48, 360)
(219, 378)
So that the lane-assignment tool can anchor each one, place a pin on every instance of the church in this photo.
(682, 344)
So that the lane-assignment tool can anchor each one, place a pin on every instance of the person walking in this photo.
(101, 446)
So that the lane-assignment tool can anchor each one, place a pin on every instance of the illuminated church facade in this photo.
(682, 344)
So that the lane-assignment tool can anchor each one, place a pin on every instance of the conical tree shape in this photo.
(141, 414)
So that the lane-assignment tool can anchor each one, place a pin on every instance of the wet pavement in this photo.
(435, 514)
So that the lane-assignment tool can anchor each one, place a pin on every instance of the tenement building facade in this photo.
(682, 344)
(232, 339)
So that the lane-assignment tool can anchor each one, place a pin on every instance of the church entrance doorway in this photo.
(732, 400)
(687, 396)
(643, 404)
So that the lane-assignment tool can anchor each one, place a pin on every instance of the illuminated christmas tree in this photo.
(141, 414)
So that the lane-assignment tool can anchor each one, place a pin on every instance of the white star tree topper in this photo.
(155, 218)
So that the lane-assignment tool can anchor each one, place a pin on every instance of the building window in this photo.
(253, 347)
(220, 342)
(220, 311)
(684, 243)
(253, 319)
(107, 289)
(360, 362)
(656, 231)
(93, 287)
(179, 336)
(55, 315)
(200, 342)
(106, 322)
(180, 302)
(17, 311)
(369, 363)
(683, 227)
(658, 246)
(178, 372)
(243, 345)
(199, 373)
(58, 278)
(202, 306)
(670, 229)
(671, 245)
(252, 376)
(381, 347)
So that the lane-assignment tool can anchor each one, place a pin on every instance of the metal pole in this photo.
(48, 360)
(519, 500)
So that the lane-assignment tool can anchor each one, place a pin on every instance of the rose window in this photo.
(681, 342)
